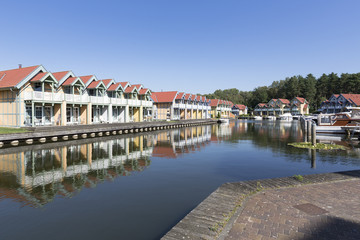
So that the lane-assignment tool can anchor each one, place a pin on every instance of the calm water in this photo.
(139, 186)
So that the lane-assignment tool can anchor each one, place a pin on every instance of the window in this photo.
(47, 114)
(38, 114)
(68, 114)
(37, 87)
(76, 114)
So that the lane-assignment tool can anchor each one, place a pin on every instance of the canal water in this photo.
(138, 186)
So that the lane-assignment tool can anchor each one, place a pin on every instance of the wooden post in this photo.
(306, 131)
(313, 137)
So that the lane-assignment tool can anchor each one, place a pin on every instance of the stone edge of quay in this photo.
(216, 212)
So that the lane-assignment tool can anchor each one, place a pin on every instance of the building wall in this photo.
(9, 109)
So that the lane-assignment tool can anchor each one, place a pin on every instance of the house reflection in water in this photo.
(35, 175)
(174, 143)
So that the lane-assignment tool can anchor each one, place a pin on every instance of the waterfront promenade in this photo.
(319, 206)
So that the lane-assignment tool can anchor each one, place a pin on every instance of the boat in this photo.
(271, 118)
(286, 117)
(224, 120)
(339, 123)
(257, 117)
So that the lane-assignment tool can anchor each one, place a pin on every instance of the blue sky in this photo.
(196, 46)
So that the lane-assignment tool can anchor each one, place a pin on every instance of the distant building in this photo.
(174, 105)
(280, 106)
(221, 107)
(239, 109)
(339, 102)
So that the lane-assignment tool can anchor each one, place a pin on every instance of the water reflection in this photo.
(35, 175)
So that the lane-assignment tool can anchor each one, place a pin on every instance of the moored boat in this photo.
(286, 117)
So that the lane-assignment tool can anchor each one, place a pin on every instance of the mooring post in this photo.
(305, 131)
(313, 137)
(313, 158)
(308, 130)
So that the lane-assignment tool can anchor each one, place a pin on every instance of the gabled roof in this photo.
(115, 87)
(38, 77)
(355, 98)
(284, 101)
(161, 97)
(71, 81)
(125, 84)
(214, 102)
(131, 89)
(180, 95)
(15, 78)
(144, 91)
(240, 106)
(138, 86)
(302, 100)
(261, 104)
(108, 82)
(188, 96)
(96, 84)
(88, 79)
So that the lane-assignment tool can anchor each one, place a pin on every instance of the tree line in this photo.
(315, 90)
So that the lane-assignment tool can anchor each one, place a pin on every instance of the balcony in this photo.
(188, 106)
(118, 101)
(43, 96)
(145, 103)
(134, 102)
(72, 98)
(99, 100)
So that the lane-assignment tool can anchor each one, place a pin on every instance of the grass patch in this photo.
(5, 130)
(321, 146)
(299, 178)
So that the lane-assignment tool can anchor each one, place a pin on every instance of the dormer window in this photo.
(68, 90)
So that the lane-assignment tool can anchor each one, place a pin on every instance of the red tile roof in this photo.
(214, 102)
(10, 78)
(85, 79)
(285, 101)
(123, 84)
(180, 95)
(59, 75)
(94, 84)
(355, 98)
(164, 96)
(302, 100)
(187, 96)
(138, 86)
(130, 89)
(143, 91)
(106, 81)
(114, 87)
(240, 106)
(69, 81)
(38, 77)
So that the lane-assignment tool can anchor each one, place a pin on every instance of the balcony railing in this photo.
(99, 99)
(118, 101)
(44, 96)
(134, 102)
(71, 98)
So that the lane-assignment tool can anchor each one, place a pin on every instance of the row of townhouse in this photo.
(220, 108)
(339, 102)
(33, 96)
(174, 105)
(280, 106)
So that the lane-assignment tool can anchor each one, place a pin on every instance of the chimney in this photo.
(20, 65)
